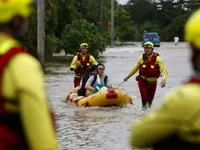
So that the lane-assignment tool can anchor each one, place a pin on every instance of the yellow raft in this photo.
(106, 98)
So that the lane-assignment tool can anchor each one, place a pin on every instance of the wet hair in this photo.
(93, 67)
(100, 64)
(98, 67)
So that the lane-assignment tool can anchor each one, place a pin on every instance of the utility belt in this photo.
(151, 79)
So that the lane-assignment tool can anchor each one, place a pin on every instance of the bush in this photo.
(124, 27)
(80, 31)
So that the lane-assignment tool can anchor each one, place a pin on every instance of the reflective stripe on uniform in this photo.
(149, 79)
(78, 76)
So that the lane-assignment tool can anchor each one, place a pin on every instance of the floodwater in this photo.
(109, 128)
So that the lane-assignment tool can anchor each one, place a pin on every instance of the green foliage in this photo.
(66, 12)
(124, 27)
(192, 5)
(176, 27)
(51, 43)
(50, 27)
(51, 20)
(165, 17)
(30, 40)
(131, 20)
(81, 31)
(141, 10)
(147, 26)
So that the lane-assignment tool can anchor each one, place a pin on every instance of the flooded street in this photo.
(109, 128)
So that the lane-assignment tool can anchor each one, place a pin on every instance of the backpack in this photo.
(95, 79)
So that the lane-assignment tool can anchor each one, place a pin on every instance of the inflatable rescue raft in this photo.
(107, 98)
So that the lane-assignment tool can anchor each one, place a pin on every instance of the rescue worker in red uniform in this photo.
(81, 62)
(175, 125)
(149, 65)
(25, 117)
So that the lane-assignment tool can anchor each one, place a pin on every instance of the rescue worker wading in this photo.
(25, 118)
(81, 62)
(175, 125)
(149, 66)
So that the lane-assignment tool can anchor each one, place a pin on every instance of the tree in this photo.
(66, 12)
(141, 10)
(176, 27)
(50, 26)
(89, 10)
(30, 40)
(147, 26)
(192, 5)
(80, 31)
(167, 11)
(51, 22)
(124, 26)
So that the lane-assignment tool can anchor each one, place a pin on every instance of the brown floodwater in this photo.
(109, 128)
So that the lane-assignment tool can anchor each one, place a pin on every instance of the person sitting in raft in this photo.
(98, 82)
(81, 91)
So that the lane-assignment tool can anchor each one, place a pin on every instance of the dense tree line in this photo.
(71, 22)
(167, 17)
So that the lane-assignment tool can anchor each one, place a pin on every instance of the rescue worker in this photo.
(175, 125)
(149, 65)
(97, 82)
(25, 117)
(81, 62)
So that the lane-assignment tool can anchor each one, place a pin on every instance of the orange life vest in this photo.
(194, 80)
(149, 68)
(11, 130)
(82, 69)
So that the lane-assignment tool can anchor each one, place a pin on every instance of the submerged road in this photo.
(109, 128)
